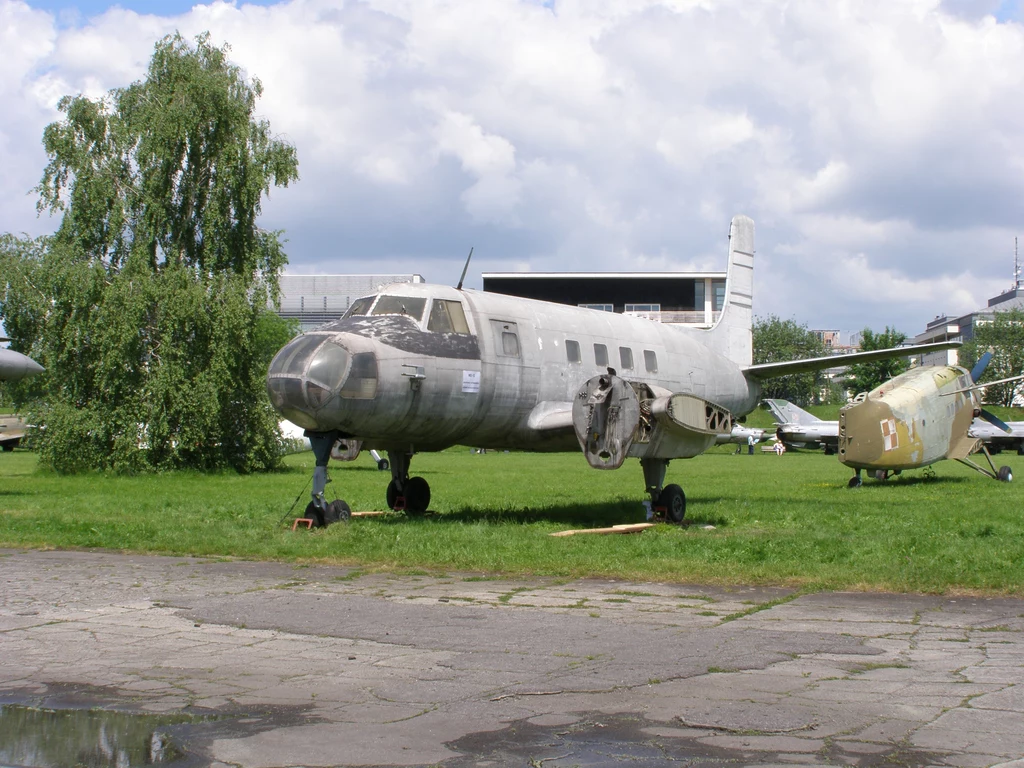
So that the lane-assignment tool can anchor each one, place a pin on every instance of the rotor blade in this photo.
(980, 366)
(991, 418)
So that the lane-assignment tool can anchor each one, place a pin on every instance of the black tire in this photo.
(855, 482)
(337, 512)
(315, 514)
(417, 496)
(383, 465)
(392, 495)
(673, 500)
(8, 447)
(1005, 475)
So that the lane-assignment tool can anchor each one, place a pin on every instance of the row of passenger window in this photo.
(574, 355)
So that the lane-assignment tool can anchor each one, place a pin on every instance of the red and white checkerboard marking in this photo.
(890, 440)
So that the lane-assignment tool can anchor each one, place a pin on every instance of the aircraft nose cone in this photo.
(308, 373)
(862, 430)
(15, 366)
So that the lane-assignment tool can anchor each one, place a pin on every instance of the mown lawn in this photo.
(788, 520)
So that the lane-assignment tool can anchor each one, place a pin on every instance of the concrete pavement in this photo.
(322, 666)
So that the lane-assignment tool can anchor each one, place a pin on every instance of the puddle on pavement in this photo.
(92, 738)
(600, 741)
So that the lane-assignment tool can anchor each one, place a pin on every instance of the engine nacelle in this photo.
(614, 418)
(346, 449)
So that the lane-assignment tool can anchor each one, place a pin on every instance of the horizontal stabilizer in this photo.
(773, 370)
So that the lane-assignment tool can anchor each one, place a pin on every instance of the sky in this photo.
(877, 144)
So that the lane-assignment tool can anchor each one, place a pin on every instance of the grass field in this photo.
(788, 520)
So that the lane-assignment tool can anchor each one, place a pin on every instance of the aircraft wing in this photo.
(550, 415)
(772, 370)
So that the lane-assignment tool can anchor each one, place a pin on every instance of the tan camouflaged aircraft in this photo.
(421, 367)
(916, 419)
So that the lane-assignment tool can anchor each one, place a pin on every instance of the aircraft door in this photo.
(504, 367)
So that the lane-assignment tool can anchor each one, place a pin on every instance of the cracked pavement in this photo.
(326, 666)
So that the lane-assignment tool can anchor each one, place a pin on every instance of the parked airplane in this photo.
(915, 419)
(998, 439)
(15, 366)
(799, 429)
(420, 367)
(12, 432)
(740, 435)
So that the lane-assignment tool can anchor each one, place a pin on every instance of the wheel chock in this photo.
(307, 521)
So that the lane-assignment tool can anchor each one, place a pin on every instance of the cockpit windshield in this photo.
(410, 306)
(360, 306)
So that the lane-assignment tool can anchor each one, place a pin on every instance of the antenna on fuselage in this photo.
(459, 286)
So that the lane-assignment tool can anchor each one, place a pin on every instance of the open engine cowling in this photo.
(614, 418)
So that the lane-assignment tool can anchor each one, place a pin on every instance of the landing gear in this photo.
(669, 500)
(382, 463)
(1005, 475)
(319, 510)
(673, 500)
(406, 494)
(855, 481)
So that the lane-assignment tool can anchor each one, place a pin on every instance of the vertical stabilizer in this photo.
(731, 335)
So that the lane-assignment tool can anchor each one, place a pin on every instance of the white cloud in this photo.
(876, 144)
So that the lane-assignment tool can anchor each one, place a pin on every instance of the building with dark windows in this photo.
(692, 298)
(945, 328)
(317, 299)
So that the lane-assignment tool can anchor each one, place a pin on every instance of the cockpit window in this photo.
(291, 361)
(328, 366)
(411, 306)
(447, 317)
(360, 306)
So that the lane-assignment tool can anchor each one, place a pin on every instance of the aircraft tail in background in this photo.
(784, 412)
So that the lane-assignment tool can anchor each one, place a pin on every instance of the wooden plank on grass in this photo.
(370, 513)
(627, 528)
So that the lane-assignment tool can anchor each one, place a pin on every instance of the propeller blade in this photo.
(980, 366)
(991, 418)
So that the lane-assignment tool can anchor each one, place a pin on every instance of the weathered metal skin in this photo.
(910, 421)
(434, 390)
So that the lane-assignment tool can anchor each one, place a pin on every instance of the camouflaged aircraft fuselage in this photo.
(913, 420)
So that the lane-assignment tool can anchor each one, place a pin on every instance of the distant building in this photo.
(317, 299)
(691, 298)
(945, 328)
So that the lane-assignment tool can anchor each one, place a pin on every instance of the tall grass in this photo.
(752, 520)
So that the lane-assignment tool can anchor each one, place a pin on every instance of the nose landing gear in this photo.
(319, 510)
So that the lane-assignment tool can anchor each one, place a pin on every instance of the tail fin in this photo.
(784, 412)
(731, 335)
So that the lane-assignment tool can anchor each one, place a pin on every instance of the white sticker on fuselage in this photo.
(471, 381)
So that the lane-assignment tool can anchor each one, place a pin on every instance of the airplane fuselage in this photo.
(424, 367)
(913, 420)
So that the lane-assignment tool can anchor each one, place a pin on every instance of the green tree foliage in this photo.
(1004, 336)
(777, 340)
(863, 377)
(149, 306)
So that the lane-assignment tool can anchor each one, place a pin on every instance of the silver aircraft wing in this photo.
(772, 370)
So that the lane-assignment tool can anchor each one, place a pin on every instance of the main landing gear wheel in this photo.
(416, 498)
(1005, 475)
(855, 482)
(673, 500)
